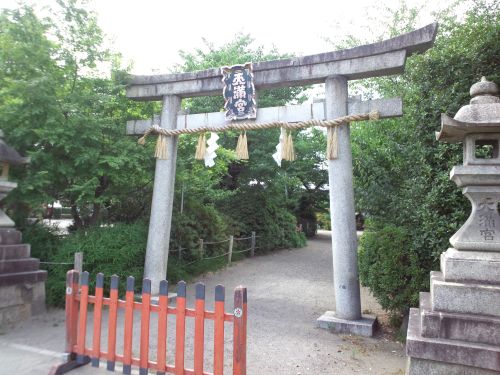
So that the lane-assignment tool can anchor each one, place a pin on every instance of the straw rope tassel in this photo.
(284, 145)
(161, 147)
(374, 115)
(242, 147)
(238, 146)
(332, 144)
(288, 151)
(201, 147)
(291, 148)
(245, 146)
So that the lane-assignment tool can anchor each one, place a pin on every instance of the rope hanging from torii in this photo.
(286, 143)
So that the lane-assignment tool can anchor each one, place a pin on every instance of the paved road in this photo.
(287, 291)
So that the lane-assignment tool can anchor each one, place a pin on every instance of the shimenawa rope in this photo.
(288, 152)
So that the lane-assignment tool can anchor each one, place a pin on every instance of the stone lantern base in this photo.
(22, 284)
(456, 329)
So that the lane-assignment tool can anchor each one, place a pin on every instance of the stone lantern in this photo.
(22, 283)
(8, 156)
(456, 330)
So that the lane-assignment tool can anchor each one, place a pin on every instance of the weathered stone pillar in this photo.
(155, 267)
(347, 316)
(342, 210)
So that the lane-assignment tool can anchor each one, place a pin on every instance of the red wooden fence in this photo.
(78, 300)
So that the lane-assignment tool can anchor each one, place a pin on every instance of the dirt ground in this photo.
(287, 291)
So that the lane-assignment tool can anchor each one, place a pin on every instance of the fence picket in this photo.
(199, 329)
(113, 312)
(243, 348)
(180, 328)
(239, 332)
(82, 319)
(71, 310)
(145, 319)
(129, 321)
(161, 355)
(219, 330)
(96, 340)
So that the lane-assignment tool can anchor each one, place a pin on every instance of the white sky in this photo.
(150, 33)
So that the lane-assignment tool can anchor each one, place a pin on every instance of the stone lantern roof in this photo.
(482, 115)
(9, 155)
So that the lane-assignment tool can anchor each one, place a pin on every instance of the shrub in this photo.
(117, 249)
(257, 210)
(199, 221)
(43, 240)
(390, 269)
(324, 220)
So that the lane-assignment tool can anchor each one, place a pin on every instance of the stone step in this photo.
(29, 277)
(481, 356)
(464, 298)
(417, 366)
(479, 267)
(10, 237)
(461, 327)
(19, 265)
(14, 251)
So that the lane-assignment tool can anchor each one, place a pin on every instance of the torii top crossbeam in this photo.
(371, 60)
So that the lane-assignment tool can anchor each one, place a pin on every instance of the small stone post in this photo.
(78, 263)
(456, 329)
(252, 246)
(155, 267)
(200, 250)
(230, 252)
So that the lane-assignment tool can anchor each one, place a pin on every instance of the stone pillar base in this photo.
(22, 283)
(21, 301)
(436, 354)
(362, 327)
(417, 366)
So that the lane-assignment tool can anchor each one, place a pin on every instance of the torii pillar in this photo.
(334, 69)
(342, 211)
(155, 265)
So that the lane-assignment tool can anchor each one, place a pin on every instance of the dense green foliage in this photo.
(63, 103)
(402, 172)
(239, 185)
(380, 252)
(57, 108)
(112, 250)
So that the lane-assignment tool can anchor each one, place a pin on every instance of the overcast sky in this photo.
(150, 33)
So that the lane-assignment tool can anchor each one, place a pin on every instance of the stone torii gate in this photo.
(334, 69)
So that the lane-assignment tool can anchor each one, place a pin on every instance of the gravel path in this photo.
(287, 291)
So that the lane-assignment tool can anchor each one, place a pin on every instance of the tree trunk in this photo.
(104, 183)
(76, 216)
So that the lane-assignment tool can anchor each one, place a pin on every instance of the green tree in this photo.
(402, 172)
(242, 182)
(57, 107)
